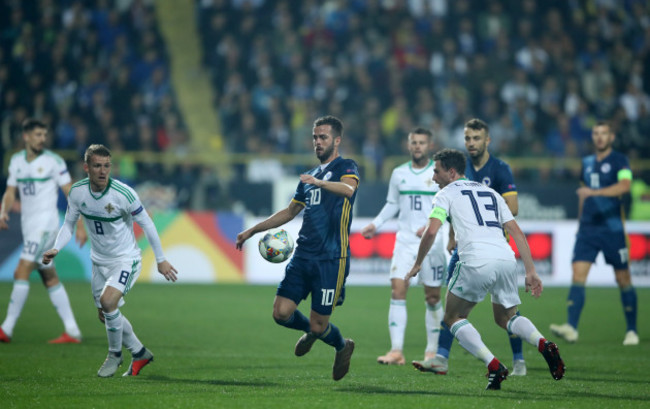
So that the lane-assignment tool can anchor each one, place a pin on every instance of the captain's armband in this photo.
(438, 213)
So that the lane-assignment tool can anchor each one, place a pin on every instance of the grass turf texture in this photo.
(217, 346)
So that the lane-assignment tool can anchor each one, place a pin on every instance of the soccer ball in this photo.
(276, 245)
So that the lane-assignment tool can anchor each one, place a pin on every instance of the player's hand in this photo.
(49, 255)
(534, 284)
(584, 192)
(167, 270)
(414, 271)
(309, 179)
(451, 245)
(241, 239)
(81, 236)
(369, 231)
(4, 221)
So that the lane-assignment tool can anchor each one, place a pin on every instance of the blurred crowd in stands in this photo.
(540, 72)
(95, 71)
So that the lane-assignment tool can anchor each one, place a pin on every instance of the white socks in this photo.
(432, 318)
(397, 323)
(525, 329)
(470, 339)
(129, 340)
(61, 302)
(15, 307)
(114, 327)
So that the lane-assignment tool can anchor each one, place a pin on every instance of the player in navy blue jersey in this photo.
(605, 177)
(494, 173)
(320, 263)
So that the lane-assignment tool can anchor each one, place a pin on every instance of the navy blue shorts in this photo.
(612, 244)
(324, 279)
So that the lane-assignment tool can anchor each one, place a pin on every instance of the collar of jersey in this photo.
(108, 186)
(421, 170)
(28, 161)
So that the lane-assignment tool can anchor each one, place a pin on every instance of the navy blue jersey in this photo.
(601, 211)
(495, 174)
(326, 222)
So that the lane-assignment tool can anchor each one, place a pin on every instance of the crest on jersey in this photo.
(40, 170)
(486, 181)
(428, 182)
(327, 176)
(606, 168)
(109, 208)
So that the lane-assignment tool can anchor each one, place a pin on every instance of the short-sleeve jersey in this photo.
(327, 217)
(38, 184)
(477, 214)
(412, 190)
(109, 219)
(601, 211)
(495, 174)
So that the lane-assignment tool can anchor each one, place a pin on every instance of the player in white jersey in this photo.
(109, 208)
(37, 174)
(487, 264)
(410, 192)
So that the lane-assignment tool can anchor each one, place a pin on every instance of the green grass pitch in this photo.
(216, 346)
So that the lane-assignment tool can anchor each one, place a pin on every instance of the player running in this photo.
(410, 191)
(320, 263)
(37, 174)
(487, 264)
(109, 208)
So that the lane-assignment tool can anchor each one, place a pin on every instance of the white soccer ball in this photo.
(276, 245)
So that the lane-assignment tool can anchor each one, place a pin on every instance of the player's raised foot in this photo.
(393, 357)
(518, 368)
(4, 337)
(438, 365)
(496, 377)
(565, 331)
(305, 343)
(139, 362)
(110, 365)
(65, 339)
(631, 338)
(552, 355)
(342, 360)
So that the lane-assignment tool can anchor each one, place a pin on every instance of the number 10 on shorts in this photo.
(328, 296)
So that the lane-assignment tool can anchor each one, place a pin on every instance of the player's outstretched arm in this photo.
(7, 202)
(428, 237)
(80, 235)
(533, 282)
(346, 187)
(275, 220)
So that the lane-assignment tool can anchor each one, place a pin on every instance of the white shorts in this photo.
(120, 275)
(472, 280)
(35, 243)
(434, 266)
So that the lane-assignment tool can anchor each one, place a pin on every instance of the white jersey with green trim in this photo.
(477, 215)
(109, 219)
(412, 190)
(38, 184)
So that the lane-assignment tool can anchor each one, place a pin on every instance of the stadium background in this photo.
(208, 106)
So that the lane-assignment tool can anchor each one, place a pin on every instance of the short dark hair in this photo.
(477, 125)
(30, 124)
(334, 122)
(603, 123)
(451, 158)
(96, 149)
(421, 131)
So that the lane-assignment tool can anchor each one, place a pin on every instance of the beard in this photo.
(326, 153)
